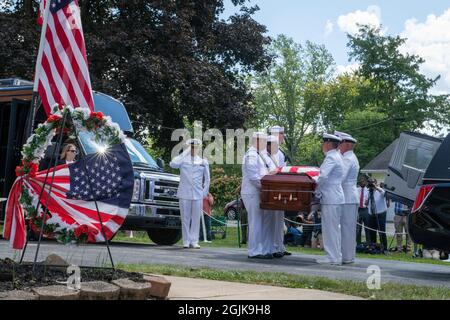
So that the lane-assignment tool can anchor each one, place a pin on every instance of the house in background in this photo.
(378, 169)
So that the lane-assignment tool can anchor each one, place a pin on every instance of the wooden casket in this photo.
(287, 192)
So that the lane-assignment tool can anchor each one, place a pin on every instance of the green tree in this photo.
(370, 129)
(290, 91)
(397, 88)
(167, 60)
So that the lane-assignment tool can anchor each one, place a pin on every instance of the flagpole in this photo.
(35, 98)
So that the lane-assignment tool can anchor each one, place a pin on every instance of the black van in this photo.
(154, 206)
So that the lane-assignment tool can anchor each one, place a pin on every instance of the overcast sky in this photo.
(426, 24)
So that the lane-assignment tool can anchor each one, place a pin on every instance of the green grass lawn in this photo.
(231, 241)
(388, 291)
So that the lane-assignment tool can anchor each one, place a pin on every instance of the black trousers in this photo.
(363, 218)
(378, 222)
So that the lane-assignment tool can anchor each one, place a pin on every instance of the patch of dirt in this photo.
(20, 276)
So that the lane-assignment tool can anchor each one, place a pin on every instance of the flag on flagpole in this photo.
(62, 73)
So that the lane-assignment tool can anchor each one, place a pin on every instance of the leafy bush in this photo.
(223, 187)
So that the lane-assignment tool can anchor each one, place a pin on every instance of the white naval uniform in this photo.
(277, 216)
(281, 158)
(253, 170)
(350, 210)
(193, 188)
(329, 190)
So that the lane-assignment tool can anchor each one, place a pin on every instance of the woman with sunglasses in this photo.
(68, 154)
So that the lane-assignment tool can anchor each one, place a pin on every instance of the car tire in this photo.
(231, 214)
(164, 237)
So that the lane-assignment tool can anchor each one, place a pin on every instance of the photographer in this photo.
(377, 206)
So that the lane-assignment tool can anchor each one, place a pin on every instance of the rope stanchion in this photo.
(368, 228)
(303, 224)
(224, 223)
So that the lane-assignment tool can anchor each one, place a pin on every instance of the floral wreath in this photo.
(82, 120)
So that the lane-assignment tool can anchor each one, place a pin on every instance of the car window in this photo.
(419, 154)
(136, 151)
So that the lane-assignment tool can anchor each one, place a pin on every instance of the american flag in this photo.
(62, 73)
(312, 172)
(106, 177)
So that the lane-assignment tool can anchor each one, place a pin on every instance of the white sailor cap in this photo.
(272, 139)
(193, 142)
(260, 135)
(327, 137)
(345, 137)
(276, 129)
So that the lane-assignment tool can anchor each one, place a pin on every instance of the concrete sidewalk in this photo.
(201, 289)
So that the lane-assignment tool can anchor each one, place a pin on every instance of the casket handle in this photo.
(279, 197)
(290, 197)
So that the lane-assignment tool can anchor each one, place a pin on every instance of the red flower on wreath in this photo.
(33, 227)
(53, 118)
(84, 231)
(19, 171)
(81, 230)
(97, 115)
(29, 168)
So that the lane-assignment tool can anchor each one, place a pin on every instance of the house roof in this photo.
(381, 162)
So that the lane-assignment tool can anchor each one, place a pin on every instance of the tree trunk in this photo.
(28, 7)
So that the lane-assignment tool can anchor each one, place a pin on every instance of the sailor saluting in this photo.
(193, 188)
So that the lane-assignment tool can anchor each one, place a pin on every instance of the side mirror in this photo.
(160, 163)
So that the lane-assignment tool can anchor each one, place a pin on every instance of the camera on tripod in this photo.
(371, 182)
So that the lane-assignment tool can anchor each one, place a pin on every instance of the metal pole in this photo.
(58, 146)
(204, 227)
(35, 98)
(238, 221)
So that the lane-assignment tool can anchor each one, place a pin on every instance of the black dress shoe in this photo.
(287, 253)
(278, 255)
(261, 256)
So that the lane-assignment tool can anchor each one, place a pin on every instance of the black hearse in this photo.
(429, 223)
(419, 176)
(154, 206)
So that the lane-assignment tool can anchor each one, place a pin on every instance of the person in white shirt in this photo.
(349, 214)
(254, 167)
(377, 213)
(193, 188)
(329, 191)
(363, 212)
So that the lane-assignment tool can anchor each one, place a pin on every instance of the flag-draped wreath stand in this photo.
(34, 193)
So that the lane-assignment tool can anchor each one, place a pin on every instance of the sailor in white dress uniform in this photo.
(278, 132)
(193, 188)
(349, 185)
(254, 168)
(329, 191)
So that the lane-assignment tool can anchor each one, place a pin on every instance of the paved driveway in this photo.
(236, 259)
